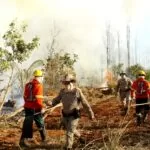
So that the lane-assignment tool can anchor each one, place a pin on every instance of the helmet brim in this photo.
(141, 75)
(123, 74)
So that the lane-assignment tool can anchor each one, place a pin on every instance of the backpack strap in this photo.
(30, 96)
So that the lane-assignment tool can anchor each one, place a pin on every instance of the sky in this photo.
(82, 25)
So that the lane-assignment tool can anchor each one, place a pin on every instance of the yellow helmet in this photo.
(142, 73)
(38, 73)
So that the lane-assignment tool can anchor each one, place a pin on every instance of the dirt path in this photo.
(109, 127)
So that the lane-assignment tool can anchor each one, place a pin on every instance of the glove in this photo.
(43, 110)
(48, 103)
(133, 99)
(92, 118)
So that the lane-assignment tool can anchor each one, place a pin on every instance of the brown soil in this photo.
(109, 126)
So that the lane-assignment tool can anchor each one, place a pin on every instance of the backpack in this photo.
(28, 92)
(141, 87)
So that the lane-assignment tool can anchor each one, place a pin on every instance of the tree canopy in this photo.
(16, 49)
(57, 65)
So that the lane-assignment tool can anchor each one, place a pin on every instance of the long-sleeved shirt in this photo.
(72, 99)
(123, 85)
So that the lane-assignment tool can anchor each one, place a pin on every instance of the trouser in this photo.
(142, 108)
(27, 130)
(70, 124)
(125, 99)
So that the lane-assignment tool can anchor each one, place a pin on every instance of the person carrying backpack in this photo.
(123, 87)
(71, 97)
(33, 105)
(140, 94)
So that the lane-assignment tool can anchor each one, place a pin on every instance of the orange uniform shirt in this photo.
(37, 104)
(140, 88)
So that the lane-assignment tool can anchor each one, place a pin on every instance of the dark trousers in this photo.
(30, 116)
(142, 108)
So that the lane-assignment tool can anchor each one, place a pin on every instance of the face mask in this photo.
(68, 85)
(40, 79)
(142, 76)
(123, 76)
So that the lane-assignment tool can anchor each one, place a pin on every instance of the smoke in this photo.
(81, 23)
(130, 8)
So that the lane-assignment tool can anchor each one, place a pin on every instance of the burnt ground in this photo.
(110, 130)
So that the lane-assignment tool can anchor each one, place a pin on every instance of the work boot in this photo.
(65, 148)
(43, 134)
(24, 143)
(139, 119)
(32, 142)
(82, 141)
(122, 111)
(45, 142)
(144, 117)
(126, 110)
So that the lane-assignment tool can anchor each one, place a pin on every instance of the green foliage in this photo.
(133, 70)
(22, 76)
(16, 48)
(4, 56)
(67, 61)
(116, 69)
(57, 65)
(147, 74)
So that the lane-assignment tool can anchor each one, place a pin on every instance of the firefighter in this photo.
(71, 98)
(140, 94)
(123, 88)
(33, 105)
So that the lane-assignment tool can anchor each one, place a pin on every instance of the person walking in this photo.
(33, 105)
(140, 95)
(71, 97)
(123, 87)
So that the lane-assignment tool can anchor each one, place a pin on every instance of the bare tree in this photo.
(109, 45)
(119, 54)
(128, 44)
(59, 62)
(16, 50)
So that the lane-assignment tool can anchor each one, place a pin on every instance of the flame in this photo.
(108, 76)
